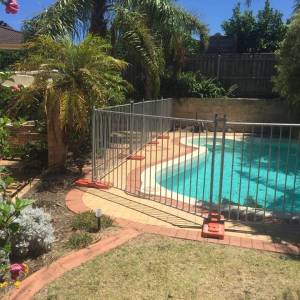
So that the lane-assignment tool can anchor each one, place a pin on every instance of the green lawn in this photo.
(153, 267)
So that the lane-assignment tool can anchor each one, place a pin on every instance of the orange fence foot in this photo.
(213, 227)
(136, 157)
(102, 185)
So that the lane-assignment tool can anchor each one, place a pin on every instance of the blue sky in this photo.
(211, 12)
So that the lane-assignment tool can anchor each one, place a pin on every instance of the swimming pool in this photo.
(257, 173)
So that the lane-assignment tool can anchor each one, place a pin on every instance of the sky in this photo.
(211, 12)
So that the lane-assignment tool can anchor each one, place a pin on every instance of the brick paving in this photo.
(75, 203)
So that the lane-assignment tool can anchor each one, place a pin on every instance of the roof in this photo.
(222, 44)
(10, 38)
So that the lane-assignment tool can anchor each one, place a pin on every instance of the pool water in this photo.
(257, 173)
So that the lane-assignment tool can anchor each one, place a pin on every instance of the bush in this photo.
(79, 240)
(287, 80)
(4, 146)
(87, 221)
(35, 234)
(191, 84)
(9, 212)
(7, 98)
(35, 150)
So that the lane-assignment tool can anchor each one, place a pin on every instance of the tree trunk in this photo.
(57, 148)
(98, 24)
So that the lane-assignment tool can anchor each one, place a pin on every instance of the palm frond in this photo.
(79, 75)
(61, 18)
(139, 40)
(166, 14)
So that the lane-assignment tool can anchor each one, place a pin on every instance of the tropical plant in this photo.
(189, 84)
(287, 80)
(141, 30)
(73, 78)
(261, 33)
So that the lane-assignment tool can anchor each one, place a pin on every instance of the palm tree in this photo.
(148, 30)
(73, 78)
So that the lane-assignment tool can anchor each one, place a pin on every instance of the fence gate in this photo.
(246, 171)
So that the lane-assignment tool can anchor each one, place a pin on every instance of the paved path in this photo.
(74, 202)
(127, 205)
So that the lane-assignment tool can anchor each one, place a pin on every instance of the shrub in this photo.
(9, 212)
(87, 221)
(79, 240)
(4, 146)
(5, 180)
(191, 84)
(35, 150)
(35, 234)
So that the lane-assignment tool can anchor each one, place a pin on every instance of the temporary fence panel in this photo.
(246, 171)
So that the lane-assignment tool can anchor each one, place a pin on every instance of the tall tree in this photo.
(270, 29)
(242, 26)
(144, 28)
(261, 33)
(287, 80)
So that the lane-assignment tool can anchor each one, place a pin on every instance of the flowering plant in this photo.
(14, 275)
(11, 6)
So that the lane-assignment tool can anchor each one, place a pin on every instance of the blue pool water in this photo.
(255, 171)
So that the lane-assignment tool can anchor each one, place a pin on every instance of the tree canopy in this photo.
(261, 33)
(287, 80)
(144, 32)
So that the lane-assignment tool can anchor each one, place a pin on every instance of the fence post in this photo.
(131, 127)
(222, 163)
(94, 171)
(219, 66)
(212, 175)
(143, 138)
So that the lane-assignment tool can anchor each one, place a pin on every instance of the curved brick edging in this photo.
(35, 282)
(74, 202)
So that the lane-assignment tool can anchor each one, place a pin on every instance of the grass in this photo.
(80, 240)
(153, 267)
(87, 221)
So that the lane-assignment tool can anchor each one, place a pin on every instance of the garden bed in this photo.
(50, 194)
